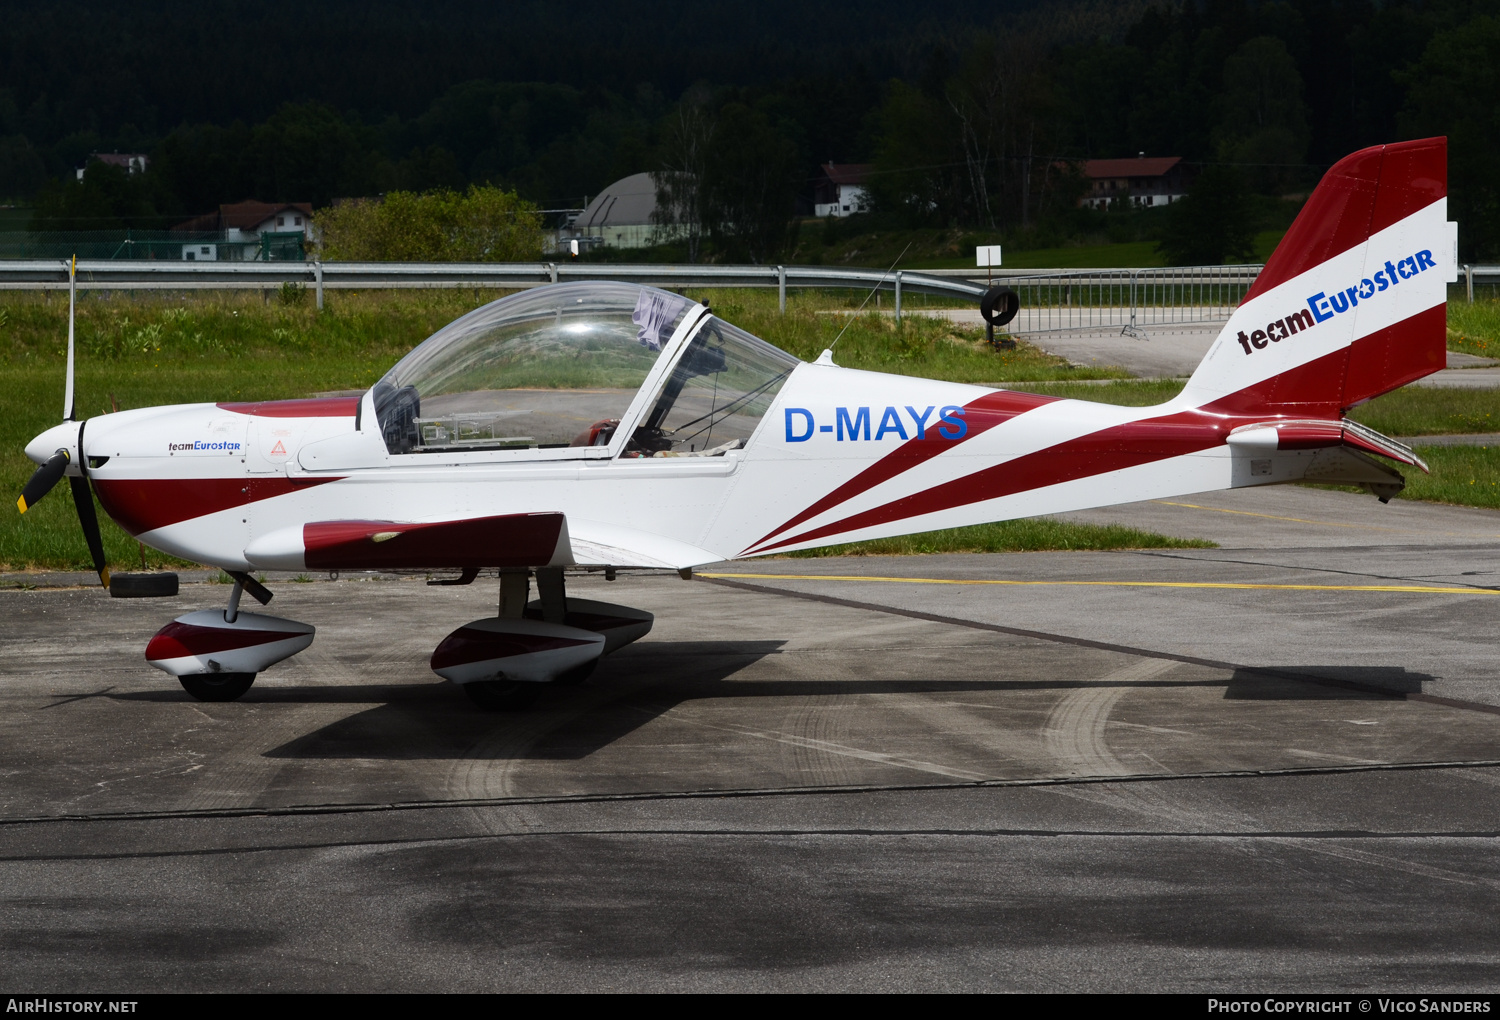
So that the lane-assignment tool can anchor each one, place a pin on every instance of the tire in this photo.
(142, 586)
(576, 675)
(999, 305)
(217, 686)
(501, 695)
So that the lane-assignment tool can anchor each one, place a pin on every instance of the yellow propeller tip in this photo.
(104, 577)
(21, 503)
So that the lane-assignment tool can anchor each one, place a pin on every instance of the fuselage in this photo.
(842, 455)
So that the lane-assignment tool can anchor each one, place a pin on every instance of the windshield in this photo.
(552, 367)
(715, 397)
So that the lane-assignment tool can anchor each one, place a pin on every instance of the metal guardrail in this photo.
(1129, 300)
(1478, 274)
(51, 274)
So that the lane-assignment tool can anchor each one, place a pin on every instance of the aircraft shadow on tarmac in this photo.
(642, 683)
(433, 720)
(1324, 683)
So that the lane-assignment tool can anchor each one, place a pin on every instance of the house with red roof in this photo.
(130, 162)
(250, 230)
(840, 189)
(1143, 181)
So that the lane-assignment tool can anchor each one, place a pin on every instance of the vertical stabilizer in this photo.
(1353, 302)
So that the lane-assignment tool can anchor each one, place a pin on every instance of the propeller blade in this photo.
(42, 480)
(83, 499)
(72, 306)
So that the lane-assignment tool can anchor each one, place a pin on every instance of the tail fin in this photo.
(1353, 302)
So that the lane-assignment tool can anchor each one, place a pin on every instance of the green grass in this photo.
(1431, 411)
(1474, 329)
(1129, 255)
(931, 248)
(1036, 534)
(1125, 392)
(1464, 475)
(920, 345)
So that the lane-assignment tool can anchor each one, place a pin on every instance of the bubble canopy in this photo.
(559, 367)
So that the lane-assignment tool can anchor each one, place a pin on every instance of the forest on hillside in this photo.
(974, 114)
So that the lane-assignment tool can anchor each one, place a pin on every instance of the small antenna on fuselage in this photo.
(868, 296)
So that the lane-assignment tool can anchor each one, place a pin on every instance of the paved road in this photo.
(825, 782)
(1174, 351)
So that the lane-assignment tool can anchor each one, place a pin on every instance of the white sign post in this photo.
(987, 256)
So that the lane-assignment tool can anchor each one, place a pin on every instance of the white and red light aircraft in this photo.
(609, 425)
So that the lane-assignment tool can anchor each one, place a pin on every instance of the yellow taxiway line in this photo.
(1326, 524)
(1410, 589)
(1275, 517)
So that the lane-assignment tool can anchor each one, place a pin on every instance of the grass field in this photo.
(1466, 475)
(1474, 329)
(1035, 534)
(1431, 411)
(1130, 255)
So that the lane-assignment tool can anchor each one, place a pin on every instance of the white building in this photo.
(249, 228)
(618, 217)
(132, 162)
(1157, 180)
(840, 190)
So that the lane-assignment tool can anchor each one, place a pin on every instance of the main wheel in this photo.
(576, 675)
(217, 686)
(501, 695)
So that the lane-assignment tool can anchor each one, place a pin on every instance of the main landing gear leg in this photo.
(502, 694)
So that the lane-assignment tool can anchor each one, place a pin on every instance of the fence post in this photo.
(898, 296)
(318, 283)
(552, 271)
(1469, 281)
(781, 286)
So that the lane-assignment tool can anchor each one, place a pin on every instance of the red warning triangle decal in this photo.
(278, 450)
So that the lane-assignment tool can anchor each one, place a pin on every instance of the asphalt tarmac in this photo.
(1270, 766)
(1168, 350)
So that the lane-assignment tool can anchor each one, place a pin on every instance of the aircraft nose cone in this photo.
(58, 437)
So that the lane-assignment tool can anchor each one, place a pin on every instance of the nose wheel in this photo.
(502, 695)
(217, 686)
(215, 654)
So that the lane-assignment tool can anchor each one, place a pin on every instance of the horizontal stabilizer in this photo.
(1318, 434)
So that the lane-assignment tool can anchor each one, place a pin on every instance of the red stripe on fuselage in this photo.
(1312, 390)
(1122, 446)
(1111, 449)
(981, 415)
(140, 505)
(312, 407)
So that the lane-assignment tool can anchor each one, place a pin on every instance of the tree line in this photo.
(970, 120)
